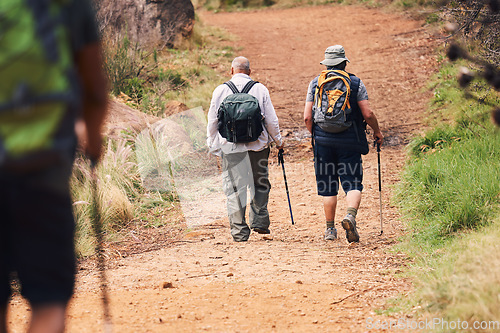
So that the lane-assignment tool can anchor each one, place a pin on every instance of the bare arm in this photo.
(308, 118)
(94, 96)
(371, 120)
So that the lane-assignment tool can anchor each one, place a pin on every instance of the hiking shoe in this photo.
(349, 224)
(331, 234)
(262, 231)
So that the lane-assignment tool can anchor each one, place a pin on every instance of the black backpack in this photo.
(239, 116)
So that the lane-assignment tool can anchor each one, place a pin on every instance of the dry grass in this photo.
(115, 190)
(465, 282)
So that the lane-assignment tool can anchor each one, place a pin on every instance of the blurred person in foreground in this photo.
(52, 74)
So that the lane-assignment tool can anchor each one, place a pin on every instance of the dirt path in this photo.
(295, 282)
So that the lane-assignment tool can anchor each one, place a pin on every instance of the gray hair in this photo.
(241, 63)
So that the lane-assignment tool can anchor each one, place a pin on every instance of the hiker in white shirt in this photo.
(245, 165)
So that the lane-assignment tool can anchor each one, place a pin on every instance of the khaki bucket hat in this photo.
(334, 55)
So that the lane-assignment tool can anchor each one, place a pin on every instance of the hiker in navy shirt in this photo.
(337, 153)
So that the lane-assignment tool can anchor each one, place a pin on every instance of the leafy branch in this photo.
(477, 20)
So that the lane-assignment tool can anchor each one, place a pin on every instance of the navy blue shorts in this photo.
(332, 164)
(36, 236)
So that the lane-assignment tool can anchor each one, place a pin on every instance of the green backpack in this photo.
(239, 117)
(36, 85)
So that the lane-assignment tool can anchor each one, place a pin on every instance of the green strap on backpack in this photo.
(35, 81)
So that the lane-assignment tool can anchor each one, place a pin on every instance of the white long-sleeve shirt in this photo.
(271, 132)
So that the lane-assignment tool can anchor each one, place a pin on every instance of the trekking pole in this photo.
(101, 264)
(282, 162)
(380, 188)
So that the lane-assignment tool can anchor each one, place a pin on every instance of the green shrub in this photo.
(134, 88)
(135, 72)
(433, 140)
(124, 64)
(173, 77)
(151, 78)
(455, 186)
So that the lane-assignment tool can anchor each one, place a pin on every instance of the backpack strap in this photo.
(232, 86)
(354, 88)
(356, 114)
(354, 83)
(248, 86)
(315, 88)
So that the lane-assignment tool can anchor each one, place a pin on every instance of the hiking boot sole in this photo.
(262, 231)
(350, 231)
